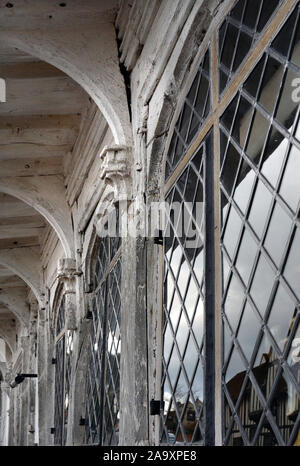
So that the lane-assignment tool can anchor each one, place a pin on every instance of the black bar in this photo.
(209, 315)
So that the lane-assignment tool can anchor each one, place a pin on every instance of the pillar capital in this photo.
(66, 274)
(116, 170)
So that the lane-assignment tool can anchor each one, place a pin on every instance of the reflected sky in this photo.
(278, 233)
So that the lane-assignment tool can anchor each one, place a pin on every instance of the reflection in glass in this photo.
(289, 188)
(262, 285)
(292, 268)
(257, 136)
(237, 33)
(232, 231)
(259, 209)
(278, 233)
(246, 256)
(195, 110)
(271, 82)
(287, 108)
(260, 189)
(233, 302)
(248, 331)
(182, 386)
(281, 316)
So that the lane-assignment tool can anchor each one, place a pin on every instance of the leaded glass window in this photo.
(183, 419)
(260, 202)
(196, 108)
(63, 367)
(103, 378)
(239, 32)
(248, 175)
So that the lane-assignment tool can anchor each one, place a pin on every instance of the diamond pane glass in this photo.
(196, 108)
(261, 237)
(239, 32)
(182, 420)
(59, 392)
(103, 377)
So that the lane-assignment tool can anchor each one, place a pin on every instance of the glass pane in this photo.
(243, 47)
(295, 57)
(234, 301)
(282, 43)
(230, 168)
(232, 232)
(235, 375)
(182, 388)
(228, 115)
(266, 438)
(257, 137)
(262, 285)
(270, 85)
(260, 208)
(252, 13)
(196, 108)
(267, 198)
(250, 411)
(289, 188)
(287, 107)
(278, 234)
(239, 32)
(252, 84)
(280, 319)
(268, 9)
(273, 156)
(244, 186)
(237, 10)
(229, 46)
(246, 256)
(248, 331)
(292, 268)
(242, 121)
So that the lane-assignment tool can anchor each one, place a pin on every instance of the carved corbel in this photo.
(116, 173)
(116, 170)
(66, 274)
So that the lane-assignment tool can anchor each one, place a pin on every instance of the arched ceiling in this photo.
(55, 57)
(79, 38)
(39, 124)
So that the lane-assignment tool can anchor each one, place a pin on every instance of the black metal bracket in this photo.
(53, 361)
(156, 406)
(21, 377)
(82, 421)
(158, 237)
(52, 430)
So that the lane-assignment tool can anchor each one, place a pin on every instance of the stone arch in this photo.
(25, 263)
(46, 194)
(15, 301)
(8, 337)
(95, 69)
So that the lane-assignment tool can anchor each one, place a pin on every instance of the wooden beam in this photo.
(12, 207)
(32, 220)
(43, 96)
(13, 243)
(33, 150)
(44, 166)
(22, 122)
(37, 69)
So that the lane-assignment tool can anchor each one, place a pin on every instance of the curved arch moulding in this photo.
(47, 195)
